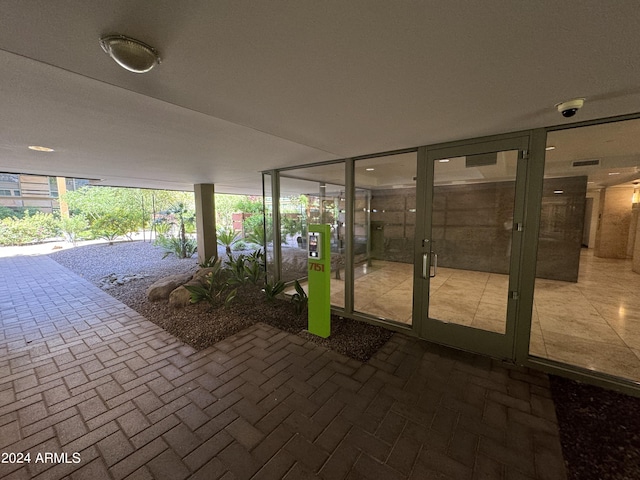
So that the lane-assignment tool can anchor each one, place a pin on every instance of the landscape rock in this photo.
(116, 279)
(180, 297)
(161, 289)
(200, 275)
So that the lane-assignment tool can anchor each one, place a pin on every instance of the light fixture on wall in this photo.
(129, 53)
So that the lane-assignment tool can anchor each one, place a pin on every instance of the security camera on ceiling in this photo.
(570, 107)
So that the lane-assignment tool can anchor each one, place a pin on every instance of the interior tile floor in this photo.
(593, 324)
(81, 373)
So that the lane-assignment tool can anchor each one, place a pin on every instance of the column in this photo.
(206, 221)
(61, 182)
(615, 218)
(635, 265)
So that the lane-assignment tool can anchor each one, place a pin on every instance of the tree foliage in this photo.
(12, 212)
(179, 216)
(74, 228)
(254, 207)
(28, 229)
(113, 212)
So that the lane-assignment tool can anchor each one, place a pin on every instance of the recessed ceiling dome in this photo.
(129, 53)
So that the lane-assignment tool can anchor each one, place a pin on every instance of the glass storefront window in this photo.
(384, 228)
(314, 195)
(586, 304)
(268, 226)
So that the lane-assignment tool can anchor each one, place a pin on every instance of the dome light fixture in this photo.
(39, 148)
(129, 53)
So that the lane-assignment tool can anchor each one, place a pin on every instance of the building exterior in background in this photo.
(36, 192)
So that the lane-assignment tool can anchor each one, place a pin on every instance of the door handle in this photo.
(424, 265)
(435, 264)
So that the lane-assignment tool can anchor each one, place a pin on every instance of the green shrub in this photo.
(254, 267)
(245, 269)
(181, 248)
(239, 245)
(215, 289)
(272, 290)
(257, 236)
(300, 299)
(111, 225)
(235, 266)
(208, 263)
(12, 212)
(74, 228)
(162, 227)
(29, 229)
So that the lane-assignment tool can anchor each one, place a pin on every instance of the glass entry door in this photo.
(467, 274)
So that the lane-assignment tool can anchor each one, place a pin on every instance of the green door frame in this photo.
(493, 344)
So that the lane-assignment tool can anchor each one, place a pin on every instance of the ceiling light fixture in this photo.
(550, 147)
(38, 148)
(129, 53)
(369, 169)
(444, 160)
(558, 192)
(614, 173)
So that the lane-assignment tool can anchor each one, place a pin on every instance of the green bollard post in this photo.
(319, 259)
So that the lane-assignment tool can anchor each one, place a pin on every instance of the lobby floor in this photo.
(83, 374)
(594, 323)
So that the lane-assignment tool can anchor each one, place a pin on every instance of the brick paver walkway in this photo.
(82, 373)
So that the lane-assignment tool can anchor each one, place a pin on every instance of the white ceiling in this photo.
(246, 86)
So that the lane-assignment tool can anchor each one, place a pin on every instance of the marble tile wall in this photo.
(615, 217)
(561, 228)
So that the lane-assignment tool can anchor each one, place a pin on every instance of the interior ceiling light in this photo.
(550, 147)
(38, 148)
(129, 53)
(369, 169)
(444, 160)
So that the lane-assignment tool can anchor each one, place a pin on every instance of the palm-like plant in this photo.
(181, 246)
(227, 238)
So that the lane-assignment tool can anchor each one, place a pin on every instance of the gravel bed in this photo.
(599, 431)
(94, 262)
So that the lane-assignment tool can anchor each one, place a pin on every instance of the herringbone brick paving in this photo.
(81, 372)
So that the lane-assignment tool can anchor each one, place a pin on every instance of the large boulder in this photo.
(180, 297)
(161, 289)
(199, 276)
